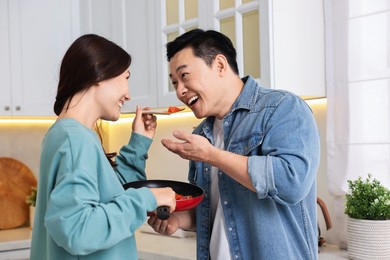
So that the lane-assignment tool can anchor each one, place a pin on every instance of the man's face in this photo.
(195, 82)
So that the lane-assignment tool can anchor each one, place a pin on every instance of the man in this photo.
(256, 155)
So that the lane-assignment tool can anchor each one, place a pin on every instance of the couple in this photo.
(255, 154)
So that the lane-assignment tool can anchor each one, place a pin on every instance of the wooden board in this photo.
(16, 181)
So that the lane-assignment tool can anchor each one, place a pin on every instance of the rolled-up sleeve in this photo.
(287, 166)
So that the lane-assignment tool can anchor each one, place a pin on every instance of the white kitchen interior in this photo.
(333, 53)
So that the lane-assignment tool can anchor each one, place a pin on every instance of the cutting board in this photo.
(16, 181)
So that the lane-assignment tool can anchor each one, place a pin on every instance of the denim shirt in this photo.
(276, 130)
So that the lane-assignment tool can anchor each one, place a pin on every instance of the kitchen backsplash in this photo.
(21, 139)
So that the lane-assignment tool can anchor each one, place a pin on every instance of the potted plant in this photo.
(368, 223)
(31, 201)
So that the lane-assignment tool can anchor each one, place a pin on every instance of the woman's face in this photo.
(111, 94)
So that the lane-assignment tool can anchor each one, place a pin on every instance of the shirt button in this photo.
(207, 169)
(225, 202)
(236, 256)
(230, 229)
(226, 123)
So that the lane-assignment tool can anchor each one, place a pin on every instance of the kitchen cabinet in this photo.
(279, 43)
(5, 95)
(129, 24)
(293, 54)
(34, 37)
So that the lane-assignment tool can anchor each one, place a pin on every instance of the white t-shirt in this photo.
(219, 246)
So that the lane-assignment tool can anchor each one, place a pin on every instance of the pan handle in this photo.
(163, 212)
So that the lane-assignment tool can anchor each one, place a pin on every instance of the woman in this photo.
(82, 210)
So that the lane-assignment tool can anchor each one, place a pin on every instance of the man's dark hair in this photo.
(205, 45)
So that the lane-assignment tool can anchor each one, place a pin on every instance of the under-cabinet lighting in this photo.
(317, 101)
(124, 118)
(30, 120)
(51, 120)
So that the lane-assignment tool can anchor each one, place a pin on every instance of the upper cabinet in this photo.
(5, 96)
(34, 37)
(280, 43)
(129, 24)
(295, 48)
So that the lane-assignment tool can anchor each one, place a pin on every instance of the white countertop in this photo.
(332, 252)
(15, 244)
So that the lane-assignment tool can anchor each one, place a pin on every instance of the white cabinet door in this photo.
(297, 56)
(5, 85)
(128, 23)
(39, 32)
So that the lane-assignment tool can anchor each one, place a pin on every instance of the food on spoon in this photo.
(173, 109)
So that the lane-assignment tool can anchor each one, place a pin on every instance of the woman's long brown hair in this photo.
(88, 61)
(110, 156)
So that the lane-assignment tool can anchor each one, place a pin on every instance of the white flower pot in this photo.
(32, 214)
(368, 239)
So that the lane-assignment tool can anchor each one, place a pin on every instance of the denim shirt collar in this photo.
(247, 97)
(246, 100)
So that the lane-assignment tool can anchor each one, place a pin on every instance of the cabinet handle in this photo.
(17, 108)
(6, 108)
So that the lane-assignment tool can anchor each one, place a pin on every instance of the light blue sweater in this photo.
(82, 210)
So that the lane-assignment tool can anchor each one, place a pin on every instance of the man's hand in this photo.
(190, 147)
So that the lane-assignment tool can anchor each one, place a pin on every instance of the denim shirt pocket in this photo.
(247, 145)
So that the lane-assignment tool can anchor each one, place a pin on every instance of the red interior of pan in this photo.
(182, 188)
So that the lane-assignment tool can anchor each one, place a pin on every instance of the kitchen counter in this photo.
(15, 245)
(332, 252)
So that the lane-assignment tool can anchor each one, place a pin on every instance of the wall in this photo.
(22, 139)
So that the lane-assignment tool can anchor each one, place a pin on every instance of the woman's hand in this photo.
(165, 197)
(144, 124)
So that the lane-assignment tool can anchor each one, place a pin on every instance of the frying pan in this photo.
(182, 188)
